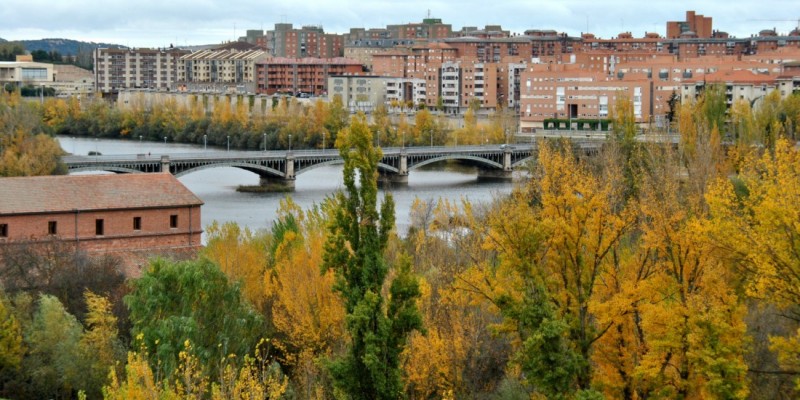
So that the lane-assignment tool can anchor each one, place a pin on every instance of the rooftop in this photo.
(70, 193)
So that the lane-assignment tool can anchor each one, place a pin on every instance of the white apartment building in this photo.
(219, 70)
(116, 69)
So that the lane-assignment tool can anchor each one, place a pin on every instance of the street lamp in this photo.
(265, 142)
(290, 142)
(323, 140)
(165, 140)
(229, 142)
(140, 141)
(42, 94)
(205, 145)
(431, 137)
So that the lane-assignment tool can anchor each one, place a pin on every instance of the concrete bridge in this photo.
(282, 167)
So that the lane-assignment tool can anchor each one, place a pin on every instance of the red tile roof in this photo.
(42, 194)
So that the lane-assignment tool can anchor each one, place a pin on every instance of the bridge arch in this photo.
(381, 166)
(523, 161)
(116, 170)
(256, 169)
(479, 160)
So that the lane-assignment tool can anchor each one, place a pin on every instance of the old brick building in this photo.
(132, 215)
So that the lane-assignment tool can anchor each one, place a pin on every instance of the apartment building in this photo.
(572, 93)
(116, 69)
(468, 83)
(741, 85)
(308, 41)
(695, 25)
(364, 49)
(226, 69)
(429, 28)
(360, 93)
(307, 76)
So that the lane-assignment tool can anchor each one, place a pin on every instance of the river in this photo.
(217, 186)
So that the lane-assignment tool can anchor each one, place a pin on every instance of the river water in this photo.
(217, 186)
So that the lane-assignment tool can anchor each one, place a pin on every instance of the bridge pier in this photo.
(165, 164)
(273, 184)
(485, 174)
(389, 180)
(401, 177)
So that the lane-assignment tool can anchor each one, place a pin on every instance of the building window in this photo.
(173, 221)
(137, 223)
(98, 227)
(3, 230)
(52, 227)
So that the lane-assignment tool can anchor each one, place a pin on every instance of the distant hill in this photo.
(64, 46)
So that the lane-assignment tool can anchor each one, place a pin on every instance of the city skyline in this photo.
(181, 22)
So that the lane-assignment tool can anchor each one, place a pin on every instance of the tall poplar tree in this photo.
(378, 324)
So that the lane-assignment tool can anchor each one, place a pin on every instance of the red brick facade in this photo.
(146, 214)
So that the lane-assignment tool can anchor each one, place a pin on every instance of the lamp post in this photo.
(229, 142)
(165, 140)
(290, 142)
(41, 98)
(431, 137)
(323, 140)
(265, 142)
(140, 141)
(205, 146)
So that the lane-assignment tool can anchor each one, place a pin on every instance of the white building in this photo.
(23, 73)
(116, 69)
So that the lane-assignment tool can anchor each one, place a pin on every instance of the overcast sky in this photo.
(157, 23)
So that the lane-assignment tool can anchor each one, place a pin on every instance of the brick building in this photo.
(301, 75)
(695, 25)
(132, 215)
(571, 93)
(308, 41)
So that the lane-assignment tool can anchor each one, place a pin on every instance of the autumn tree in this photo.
(12, 348)
(754, 221)
(99, 346)
(242, 255)
(378, 324)
(307, 315)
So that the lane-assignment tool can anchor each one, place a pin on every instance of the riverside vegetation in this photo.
(647, 271)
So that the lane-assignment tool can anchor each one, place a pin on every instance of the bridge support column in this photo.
(401, 177)
(496, 174)
(165, 164)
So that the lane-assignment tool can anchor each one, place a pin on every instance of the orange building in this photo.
(301, 75)
(571, 93)
(128, 214)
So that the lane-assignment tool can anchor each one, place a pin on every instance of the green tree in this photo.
(359, 234)
(53, 363)
(11, 346)
(192, 300)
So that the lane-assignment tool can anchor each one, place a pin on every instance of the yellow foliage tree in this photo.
(755, 222)
(308, 316)
(242, 255)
